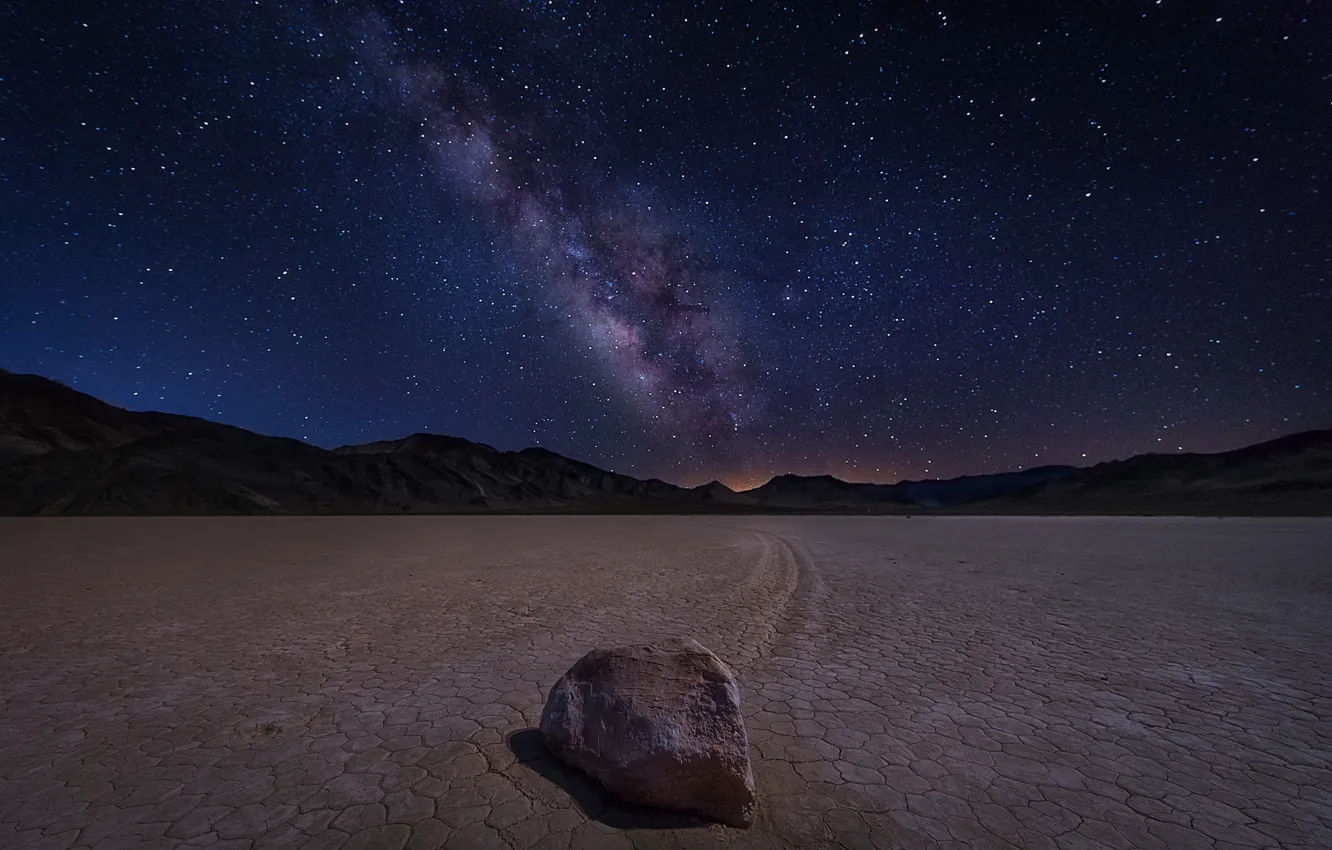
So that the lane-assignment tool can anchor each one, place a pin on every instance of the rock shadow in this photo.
(595, 801)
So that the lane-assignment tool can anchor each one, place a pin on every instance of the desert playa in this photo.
(950, 682)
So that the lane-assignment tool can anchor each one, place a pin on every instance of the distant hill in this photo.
(715, 491)
(64, 452)
(825, 492)
(1288, 476)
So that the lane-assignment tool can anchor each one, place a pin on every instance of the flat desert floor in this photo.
(951, 682)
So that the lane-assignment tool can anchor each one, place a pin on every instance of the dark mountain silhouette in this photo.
(38, 415)
(824, 492)
(715, 491)
(973, 488)
(64, 452)
(1288, 476)
(827, 492)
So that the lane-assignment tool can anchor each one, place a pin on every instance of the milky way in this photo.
(629, 286)
(680, 240)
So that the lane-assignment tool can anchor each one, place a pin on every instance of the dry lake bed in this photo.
(372, 682)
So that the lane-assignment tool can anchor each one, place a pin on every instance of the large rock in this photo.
(657, 725)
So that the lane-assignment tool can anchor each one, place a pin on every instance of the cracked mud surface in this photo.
(927, 682)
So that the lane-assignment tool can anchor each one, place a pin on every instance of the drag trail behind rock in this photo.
(757, 608)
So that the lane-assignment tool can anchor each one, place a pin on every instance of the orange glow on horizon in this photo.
(748, 482)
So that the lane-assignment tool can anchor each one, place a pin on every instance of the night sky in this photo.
(684, 240)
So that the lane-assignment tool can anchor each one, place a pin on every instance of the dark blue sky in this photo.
(682, 240)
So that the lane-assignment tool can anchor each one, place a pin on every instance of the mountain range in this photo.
(63, 452)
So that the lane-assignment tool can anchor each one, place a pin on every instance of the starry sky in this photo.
(685, 240)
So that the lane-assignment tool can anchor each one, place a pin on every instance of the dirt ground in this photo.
(373, 682)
